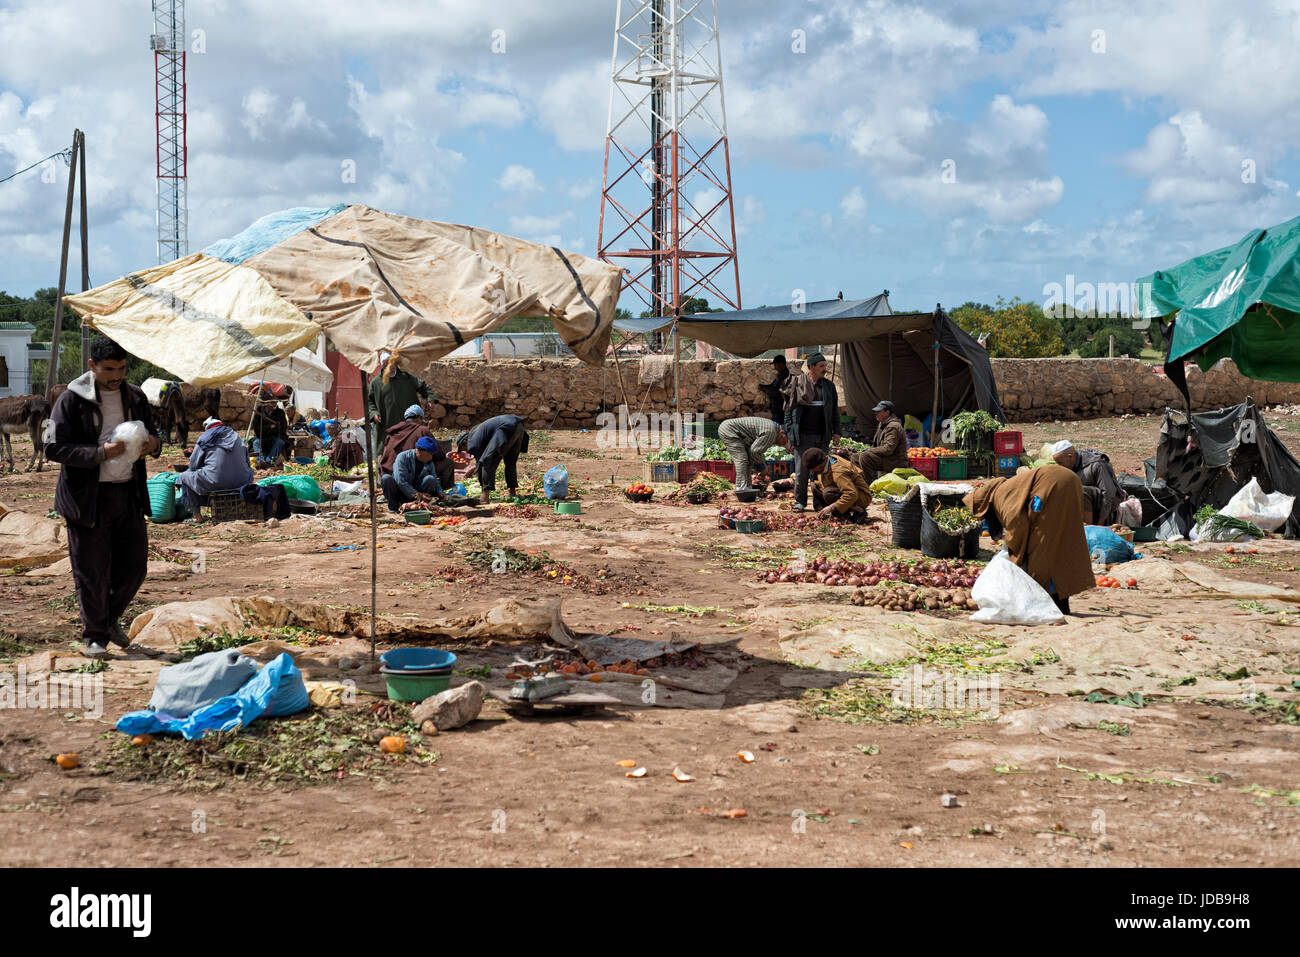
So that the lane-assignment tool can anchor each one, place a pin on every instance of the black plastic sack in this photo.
(936, 543)
(905, 521)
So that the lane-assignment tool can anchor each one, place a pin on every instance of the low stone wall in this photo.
(565, 393)
(1036, 389)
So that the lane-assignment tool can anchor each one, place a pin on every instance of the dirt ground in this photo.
(1202, 775)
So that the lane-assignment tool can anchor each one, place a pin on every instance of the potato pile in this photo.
(914, 598)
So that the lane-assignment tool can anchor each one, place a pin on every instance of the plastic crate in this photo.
(927, 466)
(1011, 462)
(952, 467)
(659, 473)
(1007, 473)
(726, 469)
(783, 468)
(688, 470)
(1008, 443)
(709, 430)
(231, 507)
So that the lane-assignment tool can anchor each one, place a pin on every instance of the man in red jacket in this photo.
(101, 492)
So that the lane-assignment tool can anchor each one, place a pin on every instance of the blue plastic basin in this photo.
(417, 659)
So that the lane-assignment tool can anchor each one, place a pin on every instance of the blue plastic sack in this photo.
(276, 690)
(556, 482)
(1104, 545)
(459, 489)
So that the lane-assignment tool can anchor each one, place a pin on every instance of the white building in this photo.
(15, 368)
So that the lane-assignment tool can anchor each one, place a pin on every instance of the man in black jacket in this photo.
(500, 438)
(812, 419)
(101, 493)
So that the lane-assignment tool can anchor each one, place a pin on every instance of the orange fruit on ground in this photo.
(68, 761)
(141, 739)
(392, 745)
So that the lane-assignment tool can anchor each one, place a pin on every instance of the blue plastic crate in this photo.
(1011, 462)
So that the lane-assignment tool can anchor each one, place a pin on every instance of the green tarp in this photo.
(1240, 302)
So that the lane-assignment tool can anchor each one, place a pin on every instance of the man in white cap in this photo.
(219, 463)
(1101, 491)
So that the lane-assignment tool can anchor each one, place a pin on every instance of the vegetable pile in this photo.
(708, 450)
(517, 511)
(939, 574)
(702, 488)
(1214, 525)
(938, 452)
(955, 519)
(911, 598)
(739, 515)
(638, 488)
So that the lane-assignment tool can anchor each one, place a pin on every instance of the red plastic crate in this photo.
(726, 469)
(1007, 443)
(688, 470)
(929, 467)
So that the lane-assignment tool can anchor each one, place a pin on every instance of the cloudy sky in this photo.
(947, 151)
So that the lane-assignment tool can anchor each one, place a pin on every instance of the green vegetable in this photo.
(1212, 524)
(968, 426)
(956, 519)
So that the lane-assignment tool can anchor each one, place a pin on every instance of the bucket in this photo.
(418, 660)
(162, 502)
(568, 508)
(414, 687)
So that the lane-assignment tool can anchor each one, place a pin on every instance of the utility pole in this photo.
(78, 158)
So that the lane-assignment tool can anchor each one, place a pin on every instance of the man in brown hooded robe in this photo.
(1039, 516)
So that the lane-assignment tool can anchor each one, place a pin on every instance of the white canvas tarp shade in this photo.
(372, 281)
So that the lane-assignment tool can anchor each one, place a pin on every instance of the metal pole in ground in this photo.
(374, 525)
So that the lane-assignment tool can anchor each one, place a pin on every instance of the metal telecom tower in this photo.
(665, 209)
(168, 45)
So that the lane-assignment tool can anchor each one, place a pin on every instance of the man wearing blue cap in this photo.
(415, 476)
(500, 438)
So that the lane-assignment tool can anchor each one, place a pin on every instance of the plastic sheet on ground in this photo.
(27, 539)
(274, 691)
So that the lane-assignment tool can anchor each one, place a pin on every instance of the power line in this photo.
(66, 154)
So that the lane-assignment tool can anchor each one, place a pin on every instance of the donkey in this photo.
(19, 414)
(172, 414)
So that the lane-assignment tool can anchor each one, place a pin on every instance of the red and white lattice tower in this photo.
(168, 45)
(666, 212)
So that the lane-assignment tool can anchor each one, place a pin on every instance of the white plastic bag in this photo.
(1008, 596)
(1129, 513)
(1269, 512)
(134, 435)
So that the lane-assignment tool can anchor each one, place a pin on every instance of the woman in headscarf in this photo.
(1039, 517)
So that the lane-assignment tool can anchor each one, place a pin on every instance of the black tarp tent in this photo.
(884, 354)
(1206, 459)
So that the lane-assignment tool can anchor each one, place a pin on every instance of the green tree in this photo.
(1016, 328)
(1127, 341)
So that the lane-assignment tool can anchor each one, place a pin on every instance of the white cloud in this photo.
(854, 204)
(518, 179)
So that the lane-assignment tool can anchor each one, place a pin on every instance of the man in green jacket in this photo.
(388, 397)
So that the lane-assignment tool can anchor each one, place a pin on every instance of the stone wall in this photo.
(565, 393)
(1037, 389)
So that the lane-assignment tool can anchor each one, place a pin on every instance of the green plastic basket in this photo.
(750, 527)
(415, 687)
(568, 508)
(162, 501)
